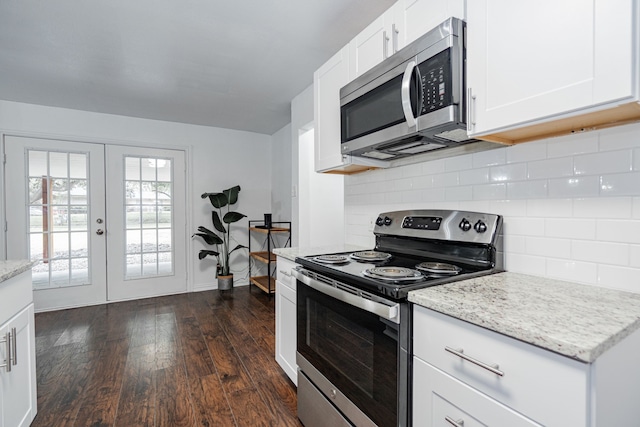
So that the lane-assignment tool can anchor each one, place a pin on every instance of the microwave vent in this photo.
(378, 155)
(455, 135)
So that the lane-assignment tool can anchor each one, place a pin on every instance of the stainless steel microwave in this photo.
(412, 102)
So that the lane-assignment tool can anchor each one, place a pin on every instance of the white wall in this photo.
(281, 168)
(301, 121)
(217, 159)
(571, 205)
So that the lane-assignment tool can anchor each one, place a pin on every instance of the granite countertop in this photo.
(11, 268)
(292, 253)
(578, 321)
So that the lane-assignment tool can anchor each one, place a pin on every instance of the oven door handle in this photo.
(391, 312)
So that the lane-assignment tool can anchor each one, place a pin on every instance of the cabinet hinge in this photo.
(6, 226)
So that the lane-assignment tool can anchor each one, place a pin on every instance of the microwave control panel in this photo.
(435, 81)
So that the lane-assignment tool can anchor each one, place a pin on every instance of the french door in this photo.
(103, 222)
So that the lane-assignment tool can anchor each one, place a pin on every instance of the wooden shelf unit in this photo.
(267, 283)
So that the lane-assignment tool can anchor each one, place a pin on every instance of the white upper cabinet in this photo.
(327, 81)
(549, 67)
(401, 24)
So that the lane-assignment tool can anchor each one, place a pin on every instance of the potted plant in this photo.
(223, 240)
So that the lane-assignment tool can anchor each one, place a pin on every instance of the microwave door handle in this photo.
(405, 91)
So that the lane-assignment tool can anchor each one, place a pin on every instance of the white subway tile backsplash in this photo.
(403, 184)
(550, 208)
(528, 152)
(515, 244)
(517, 226)
(586, 186)
(623, 184)
(548, 247)
(600, 252)
(513, 172)
(433, 195)
(612, 207)
(571, 205)
(508, 208)
(618, 231)
(526, 264)
(527, 189)
(601, 163)
(457, 163)
(574, 271)
(624, 278)
(620, 137)
(550, 168)
(634, 256)
(448, 179)
(433, 167)
(570, 228)
(458, 193)
(474, 176)
(573, 145)
(490, 192)
(493, 157)
(424, 181)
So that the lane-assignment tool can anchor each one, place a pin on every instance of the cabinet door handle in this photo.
(14, 355)
(7, 342)
(471, 110)
(459, 423)
(460, 353)
(385, 42)
(394, 37)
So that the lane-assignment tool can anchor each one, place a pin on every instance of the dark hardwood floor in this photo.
(201, 359)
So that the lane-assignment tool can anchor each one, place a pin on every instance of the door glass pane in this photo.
(148, 206)
(58, 218)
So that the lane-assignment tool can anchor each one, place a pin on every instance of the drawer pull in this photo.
(285, 273)
(460, 353)
(7, 341)
(459, 423)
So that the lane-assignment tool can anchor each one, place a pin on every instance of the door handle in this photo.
(99, 231)
(405, 92)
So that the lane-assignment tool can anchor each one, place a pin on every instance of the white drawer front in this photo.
(443, 401)
(284, 272)
(15, 294)
(545, 386)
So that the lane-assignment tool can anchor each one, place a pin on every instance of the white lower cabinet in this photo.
(17, 357)
(442, 400)
(286, 319)
(463, 372)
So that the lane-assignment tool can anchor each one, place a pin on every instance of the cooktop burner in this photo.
(439, 268)
(332, 259)
(370, 256)
(399, 274)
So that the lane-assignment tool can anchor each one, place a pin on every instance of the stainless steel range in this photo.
(354, 320)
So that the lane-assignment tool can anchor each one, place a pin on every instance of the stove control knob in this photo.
(480, 226)
(465, 225)
(380, 221)
(387, 220)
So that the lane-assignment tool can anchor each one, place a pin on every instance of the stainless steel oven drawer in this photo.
(313, 409)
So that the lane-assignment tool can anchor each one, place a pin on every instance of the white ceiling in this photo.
(231, 64)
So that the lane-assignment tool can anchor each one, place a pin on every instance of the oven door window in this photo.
(355, 350)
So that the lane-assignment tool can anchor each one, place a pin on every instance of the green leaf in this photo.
(217, 223)
(232, 194)
(237, 247)
(208, 236)
(218, 200)
(231, 217)
(204, 253)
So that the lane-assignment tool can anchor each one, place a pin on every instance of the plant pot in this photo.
(225, 282)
